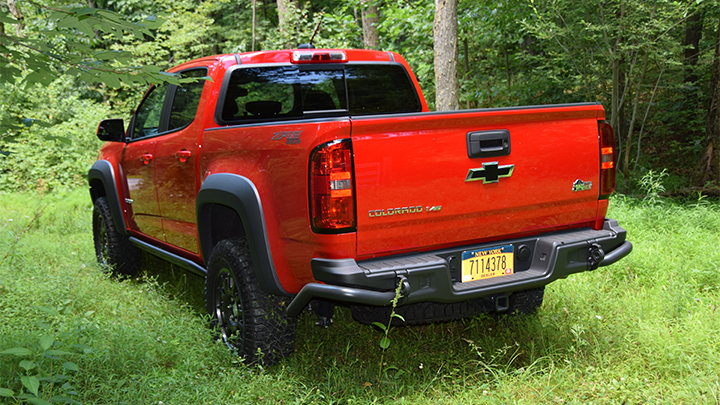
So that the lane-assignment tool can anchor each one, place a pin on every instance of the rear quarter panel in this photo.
(279, 171)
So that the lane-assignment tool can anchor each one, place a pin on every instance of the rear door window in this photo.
(156, 116)
(148, 117)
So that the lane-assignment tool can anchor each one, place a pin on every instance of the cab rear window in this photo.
(254, 94)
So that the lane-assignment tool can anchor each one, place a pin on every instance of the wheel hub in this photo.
(229, 311)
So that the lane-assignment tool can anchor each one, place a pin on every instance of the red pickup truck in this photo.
(314, 175)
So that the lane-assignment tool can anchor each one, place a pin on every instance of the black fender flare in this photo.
(239, 194)
(103, 171)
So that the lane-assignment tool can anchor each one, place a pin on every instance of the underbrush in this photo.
(51, 142)
(643, 330)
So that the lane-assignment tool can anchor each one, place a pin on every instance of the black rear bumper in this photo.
(434, 277)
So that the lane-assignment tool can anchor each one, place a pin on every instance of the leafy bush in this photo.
(57, 152)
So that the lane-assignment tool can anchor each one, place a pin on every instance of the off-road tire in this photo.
(521, 302)
(114, 251)
(251, 322)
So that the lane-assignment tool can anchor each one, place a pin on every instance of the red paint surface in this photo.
(400, 161)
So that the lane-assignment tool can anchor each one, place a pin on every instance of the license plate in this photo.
(487, 263)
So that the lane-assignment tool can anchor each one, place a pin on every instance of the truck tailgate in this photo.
(412, 170)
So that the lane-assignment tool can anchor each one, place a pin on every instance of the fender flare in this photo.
(103, 171)
(239, 194)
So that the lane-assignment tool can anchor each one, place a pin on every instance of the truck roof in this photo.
(286, 56)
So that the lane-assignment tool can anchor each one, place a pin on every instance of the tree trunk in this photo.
(693, 34)
(614, 116)
(286, 9)
(370, 19)
(254, 15)
(467, 67)
(647, 112)
(507, 67)
(691, 90)
(446, 55)
(711, 157)
(631, 127)
(616, 103)
(16, 14)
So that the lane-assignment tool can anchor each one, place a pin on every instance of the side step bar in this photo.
(169, 257)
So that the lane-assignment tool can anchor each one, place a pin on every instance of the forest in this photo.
(654, 65)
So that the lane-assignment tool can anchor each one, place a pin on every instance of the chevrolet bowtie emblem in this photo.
(490, 173)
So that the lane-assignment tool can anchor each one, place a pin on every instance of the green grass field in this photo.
(645, 330)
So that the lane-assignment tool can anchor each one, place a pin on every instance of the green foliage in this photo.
(44, 365)
(512, 52)
(659, 118)
(120, 335)
(385, 340)
(50, 41)
(652, 184)
(57, 153)
(501, 56)
(407, 28)
(326, 28)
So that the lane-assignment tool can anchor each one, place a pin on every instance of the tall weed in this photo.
(652, 185)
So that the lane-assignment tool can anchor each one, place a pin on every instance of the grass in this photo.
(644, 330)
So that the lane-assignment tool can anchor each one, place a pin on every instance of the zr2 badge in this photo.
(293, 137)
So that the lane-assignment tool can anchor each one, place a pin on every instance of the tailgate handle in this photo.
(484, 144)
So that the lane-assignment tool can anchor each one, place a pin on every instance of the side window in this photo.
(147, 120)
(380, 89)
(187, 99)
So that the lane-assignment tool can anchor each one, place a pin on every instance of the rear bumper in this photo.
(434, 277)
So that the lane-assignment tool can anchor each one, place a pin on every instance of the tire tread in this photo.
(267, 327)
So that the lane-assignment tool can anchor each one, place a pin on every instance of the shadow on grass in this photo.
(178, 283)
(346, 361)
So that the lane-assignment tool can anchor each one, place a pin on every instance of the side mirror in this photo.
(111, 130)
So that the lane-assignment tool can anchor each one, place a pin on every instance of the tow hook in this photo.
(595, 256)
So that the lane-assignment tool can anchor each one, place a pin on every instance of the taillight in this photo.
(332, 192)
(607, 160)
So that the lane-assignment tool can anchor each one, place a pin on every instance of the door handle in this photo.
(146, 158)
(484, 144)
(183, 155)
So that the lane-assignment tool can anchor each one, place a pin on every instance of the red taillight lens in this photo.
(607, 160)
(332, 197)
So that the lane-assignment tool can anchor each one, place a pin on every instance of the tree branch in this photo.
(56, 58)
